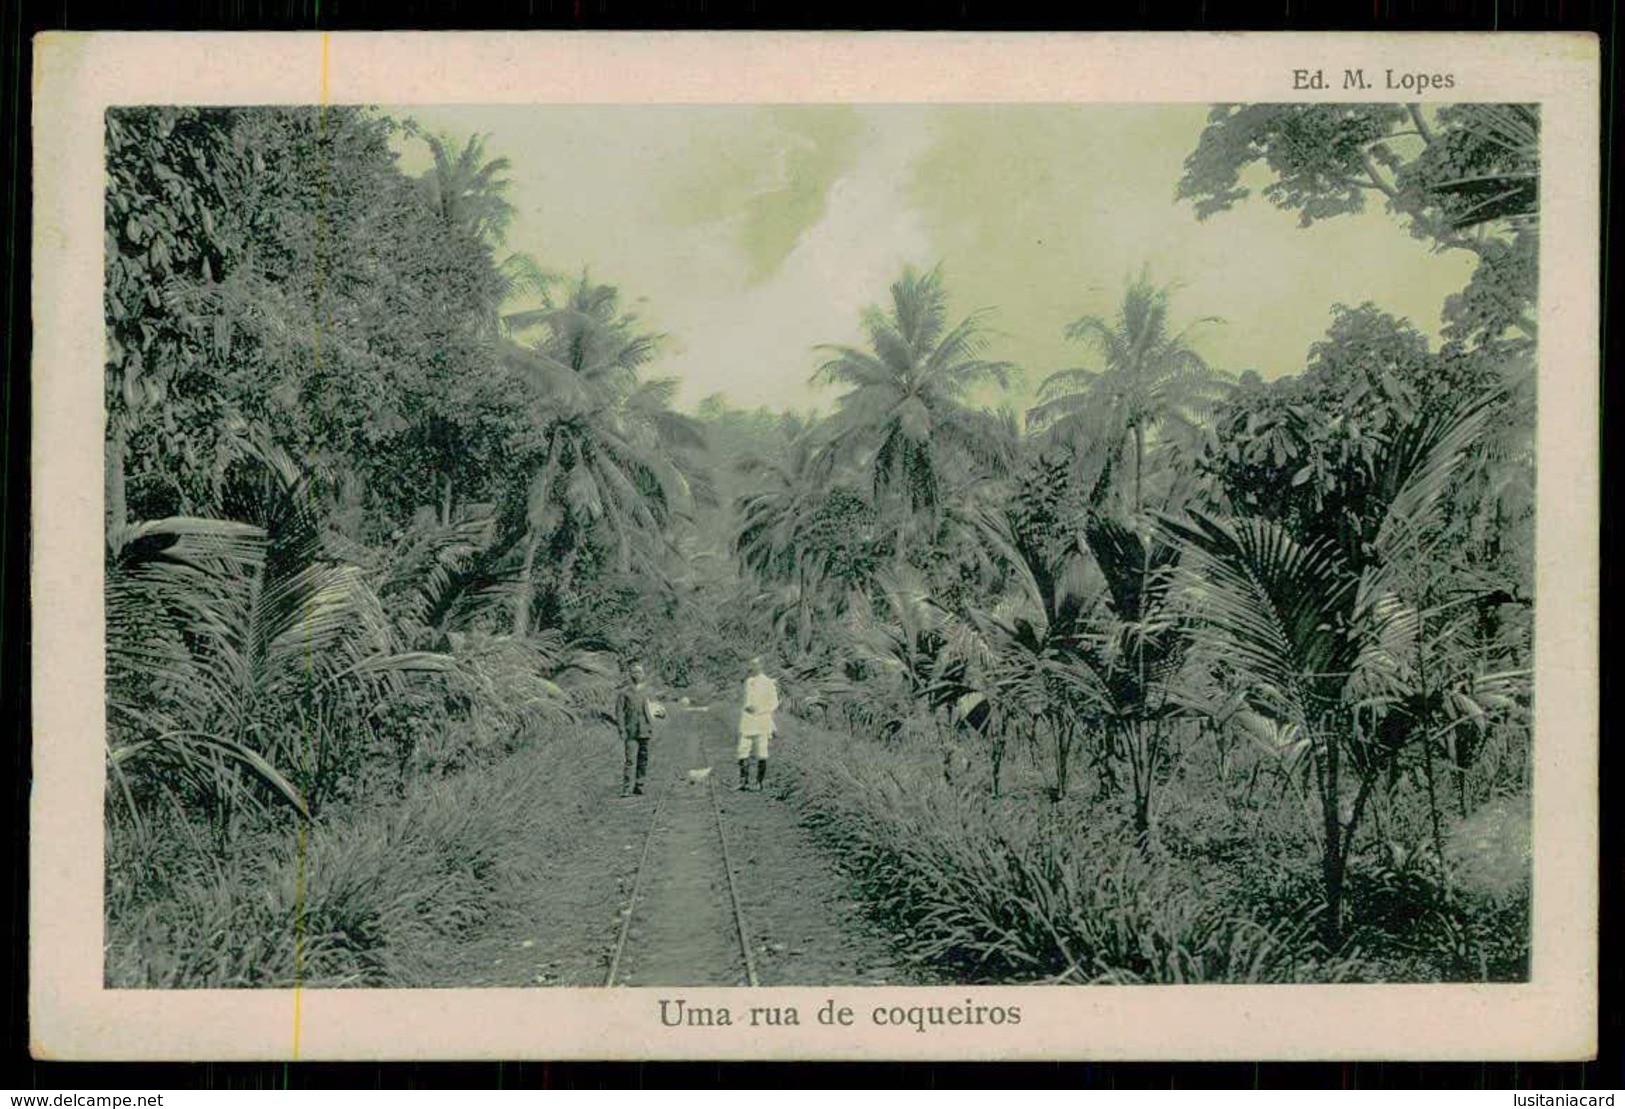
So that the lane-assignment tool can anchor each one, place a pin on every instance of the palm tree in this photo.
(1315, 628)
(244, 644)
(1152, 383)
(909, 413)
(1038, 636)
(521, 281)
(467, 190)
(431, 570)
(165, 709)
(469, 194)
(608, 449)
(906, 638)
(1139, 649)
(1089, 634)
(777, 537)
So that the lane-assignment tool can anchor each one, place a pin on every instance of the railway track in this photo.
(624, 950)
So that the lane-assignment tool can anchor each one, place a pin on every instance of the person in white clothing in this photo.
(756, 723)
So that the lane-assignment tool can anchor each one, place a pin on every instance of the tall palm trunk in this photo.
(1331, 854)
(527, 586)
(803, 612)
(1139, 467)
(1427, 733)
(1144, 742)
(1063, 756)
(533, 539)
(1145, 738)
(118, 513)
(567, 570)
(1339, 834)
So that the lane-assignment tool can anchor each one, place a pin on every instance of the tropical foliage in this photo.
(1181, 675)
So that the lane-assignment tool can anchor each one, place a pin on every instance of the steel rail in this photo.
(637, 887)
(619, 952)
(733, 888)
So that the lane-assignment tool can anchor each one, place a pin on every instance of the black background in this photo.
(20, 19)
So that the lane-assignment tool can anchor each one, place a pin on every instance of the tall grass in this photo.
(379, 897)
(1006, 889)
(987, 888)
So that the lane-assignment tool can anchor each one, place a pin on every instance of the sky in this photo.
(750, 235)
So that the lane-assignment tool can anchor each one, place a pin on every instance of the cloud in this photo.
(752, 234)
(763, 178)
(757, 344)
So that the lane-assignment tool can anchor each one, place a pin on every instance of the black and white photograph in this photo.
(641, 547)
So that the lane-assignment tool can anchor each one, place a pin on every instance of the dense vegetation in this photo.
(1177, 675)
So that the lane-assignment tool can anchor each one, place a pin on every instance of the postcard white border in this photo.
(78, 75)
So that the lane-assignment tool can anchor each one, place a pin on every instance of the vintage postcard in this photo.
(849, 546)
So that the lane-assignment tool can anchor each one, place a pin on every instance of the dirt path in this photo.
(803, 925)
(683, 931)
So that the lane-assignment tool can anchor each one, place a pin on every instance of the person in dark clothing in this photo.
(635, 713)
